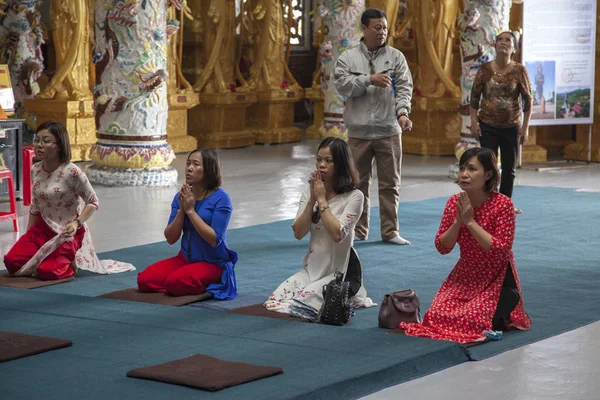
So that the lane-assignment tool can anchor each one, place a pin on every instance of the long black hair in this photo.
(345, 176)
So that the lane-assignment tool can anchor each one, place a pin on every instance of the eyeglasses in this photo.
(44, 141)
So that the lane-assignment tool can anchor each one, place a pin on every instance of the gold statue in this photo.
(269, 36)
(219, 43)
(436, 29)
(176, 82)
(71, 34)
(318, 37)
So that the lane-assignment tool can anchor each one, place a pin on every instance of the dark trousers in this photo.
(354, 273)
(509, 298)
(507, 140)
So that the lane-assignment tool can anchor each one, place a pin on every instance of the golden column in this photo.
(315, 93)
(580, 149)
(181, 96)
(68, 97)
(436, 121)
(271, 119)
(220, 120)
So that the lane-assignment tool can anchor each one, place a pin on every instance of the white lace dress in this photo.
(323, 258)
(59, 197)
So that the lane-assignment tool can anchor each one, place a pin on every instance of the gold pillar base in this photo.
(271, 119)
(554, 138)
(579, 150)
(334, 130)
(532, 152)
(76, 115)
(177, 123)
(312, 132)
(220, 120)
(436, 127)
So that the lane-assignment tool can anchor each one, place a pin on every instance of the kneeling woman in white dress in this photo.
(329, 208)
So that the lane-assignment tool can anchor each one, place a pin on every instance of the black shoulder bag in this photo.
(337, 308)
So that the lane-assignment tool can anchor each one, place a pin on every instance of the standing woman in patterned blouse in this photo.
(57, 241)
(482, 295)
(501, 94)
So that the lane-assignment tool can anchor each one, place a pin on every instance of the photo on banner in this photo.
(574, 102)
(542, 75)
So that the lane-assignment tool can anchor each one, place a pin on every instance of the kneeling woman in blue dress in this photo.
(200, 214)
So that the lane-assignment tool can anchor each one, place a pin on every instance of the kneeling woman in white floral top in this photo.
(330, 206)
(57, 241)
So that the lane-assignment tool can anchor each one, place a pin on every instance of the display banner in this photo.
(559, 51)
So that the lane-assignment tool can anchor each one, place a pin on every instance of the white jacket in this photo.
(372, 112)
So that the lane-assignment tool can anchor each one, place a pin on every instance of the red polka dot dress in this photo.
(465, 304)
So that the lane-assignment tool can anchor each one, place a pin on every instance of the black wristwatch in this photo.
(78, 223)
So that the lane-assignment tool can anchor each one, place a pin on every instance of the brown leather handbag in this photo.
(400, 306)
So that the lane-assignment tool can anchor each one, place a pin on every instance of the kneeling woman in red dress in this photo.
(57, 241)
(482, 294)
(200, 214)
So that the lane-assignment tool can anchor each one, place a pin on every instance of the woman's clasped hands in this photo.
(187, 200)
(464, 210)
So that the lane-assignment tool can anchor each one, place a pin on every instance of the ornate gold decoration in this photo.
(77, 116)
(71, 34)
(220, 121)
(435, 23)
(219, 43)
(315, 93)
(181, 96)
(268, 37)
(436, 126)
(271, 120)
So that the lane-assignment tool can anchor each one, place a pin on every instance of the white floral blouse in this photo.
(59, 197)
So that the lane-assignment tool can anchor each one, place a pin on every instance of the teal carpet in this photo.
(557, 258)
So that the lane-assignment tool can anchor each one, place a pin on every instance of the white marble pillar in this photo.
(130, 95)
(342, 27)
(21, 35)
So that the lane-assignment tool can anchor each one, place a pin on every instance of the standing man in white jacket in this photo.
(378, 85)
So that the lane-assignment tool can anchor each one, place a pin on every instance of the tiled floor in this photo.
(265, 183)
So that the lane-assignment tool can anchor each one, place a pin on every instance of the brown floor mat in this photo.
(204, 372)
(27, 282)
(17, 345)
(133, 294)
(259, 310)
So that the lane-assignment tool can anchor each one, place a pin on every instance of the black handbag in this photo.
(337, 308)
